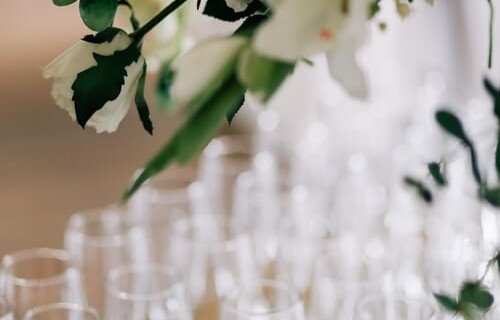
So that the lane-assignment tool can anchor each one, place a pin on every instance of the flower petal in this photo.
(201, 67)
(79, 57)
(112, 113)
(300, 28)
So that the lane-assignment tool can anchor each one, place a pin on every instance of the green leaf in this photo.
(470, 312)
(99, 84)
(218, 9)
(495, 96)
(491, 195)
(262, 75)
(451, 124)
(195, 133)
(163, 86)
(98, 14)
(476, 294)
(232, 113)
(437, 175)
(107, 35)
(374, 8)
(140, 102)
(422, 191)
(446, 302)
(63, 2)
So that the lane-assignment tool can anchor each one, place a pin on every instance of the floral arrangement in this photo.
(102, 75)
(98, 78)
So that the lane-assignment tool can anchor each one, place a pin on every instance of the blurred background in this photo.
(51, 168)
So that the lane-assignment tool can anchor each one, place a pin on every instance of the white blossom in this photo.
(337, 28)
(65, 68)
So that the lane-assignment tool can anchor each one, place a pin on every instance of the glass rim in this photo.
(378, 298)
(69, 306)
(182, 225)
(115, 275)
(228, 144)
(176, 187)
(324, 272)
(277, 284)
(11, 259)
(78, 221)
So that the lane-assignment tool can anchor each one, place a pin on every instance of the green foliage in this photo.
(101, 83)
(98, 14)
(218, 9)
(476, 294)
(438, 176)
(63, 2)
(423, 192)
(142, 105)
(447, 302)
(451, 124)
(163, 86)
(232, 113)
(262, 75)
(193, 135)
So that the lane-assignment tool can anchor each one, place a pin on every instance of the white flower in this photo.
(201, 69)
(238, 5)
(337, 28)
(65, 68)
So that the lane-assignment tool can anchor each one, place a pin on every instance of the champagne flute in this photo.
(263, 300)
(212, 256)
(99, 241)
(38, 277)
(385, 308)
(61, 311)
(146, 292)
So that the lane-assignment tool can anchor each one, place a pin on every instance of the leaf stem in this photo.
(139, 34)
(490, 49)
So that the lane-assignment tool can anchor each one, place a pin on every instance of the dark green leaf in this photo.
(437, 175)
(495, 96)
(98, 14)
(422, 191)
(195, 133)
(218, 9)
(107, 35)
(476, 294)
(491, 195)
(63, 2)
(99, 84)
(142, 105)
(446, 302)
(232, 113)
(248, 27)
(451, 124)
(374, 8)
(163, 86)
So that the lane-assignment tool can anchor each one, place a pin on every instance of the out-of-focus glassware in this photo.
(212, 256)
(263, 300)
(5, 310)
(381, 308)
(99, 241)
(162, 201)
(343, 275)
(146, 292)
(221, 163)
(37, 277)
(61, 311)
